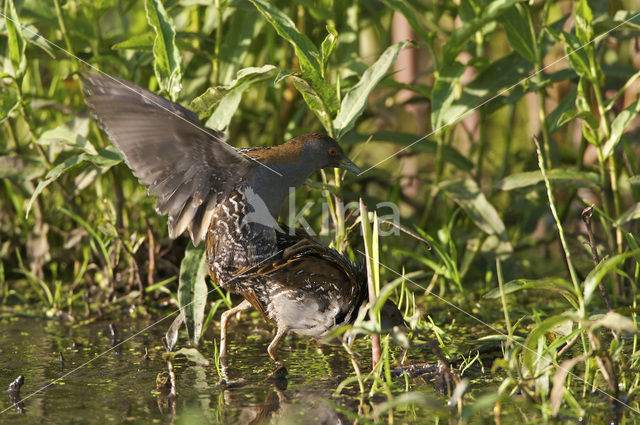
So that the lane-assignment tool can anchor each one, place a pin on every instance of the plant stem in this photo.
(65, 34)
(565, 246)
(216, 51)
(504, 301)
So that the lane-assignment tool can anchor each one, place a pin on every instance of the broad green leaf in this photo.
(327, 47)
(519, 33)
(530, 349)
(618, 126)
(8, 102)
(495, 86)
(228, 96)
(577, 54)
(446, 90)
(53, 174)
(558, 285)
(559, 379)
(563, 113)
(410, 15)
(467, 194)
(33, 37)
(105, 159)
(307, 53)
(313, 101)
(17, 43)
(461, 36)
(632, 213)
(192, 291)
(584, 16)
(356, 99)
(166, 64)
(137, 42)
(531, 178)
(72, 134)
(229, 103)
(615, 321)
(601, 270)
(226, 109)
(634, 180)
(590, 123)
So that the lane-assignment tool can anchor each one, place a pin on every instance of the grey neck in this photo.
(272, 186)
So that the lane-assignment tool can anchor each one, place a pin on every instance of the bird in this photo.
(231, 197)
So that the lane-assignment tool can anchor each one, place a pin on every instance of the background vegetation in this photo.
(513, 127)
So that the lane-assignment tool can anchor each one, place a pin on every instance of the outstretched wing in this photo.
(184, 164)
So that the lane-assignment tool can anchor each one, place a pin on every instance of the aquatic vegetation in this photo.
(497, 206)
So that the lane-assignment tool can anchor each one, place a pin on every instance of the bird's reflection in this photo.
(282, 406)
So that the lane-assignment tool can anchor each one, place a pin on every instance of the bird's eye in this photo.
(333, 151)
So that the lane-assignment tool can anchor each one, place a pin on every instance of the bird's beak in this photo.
(348, 165)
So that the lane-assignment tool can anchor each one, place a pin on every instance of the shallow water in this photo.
(119, 386)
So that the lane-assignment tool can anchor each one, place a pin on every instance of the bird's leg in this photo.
(282, 331)
(224, 319)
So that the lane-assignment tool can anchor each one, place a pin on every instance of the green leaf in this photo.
(226, 109)
(72, 134)
(495, 86)
(192, 291)
(445, 91)
(105, 159)
(590, 123)
(227, 99)
(313, 101)
(530, 351)
(467, 194)
(584, 16)
(327, 47)
(307, 53)
(356, 99)
(137, 42)
(17, 43)
(563, 113)
(461, 36)
(531, 178)
(166, 64)
(53, 174)
(615, 321)
(618, 126)
(632, 213)
(601, 270)
(519, 33)
(8, 102)
(577, 55)
(558, 285)
(410, 15)
(559, 387)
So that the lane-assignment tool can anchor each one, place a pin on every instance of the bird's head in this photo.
(321, 151)
(306, 154)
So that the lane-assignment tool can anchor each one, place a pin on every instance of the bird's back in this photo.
(309, 288)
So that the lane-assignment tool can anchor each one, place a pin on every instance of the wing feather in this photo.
(184, 164)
